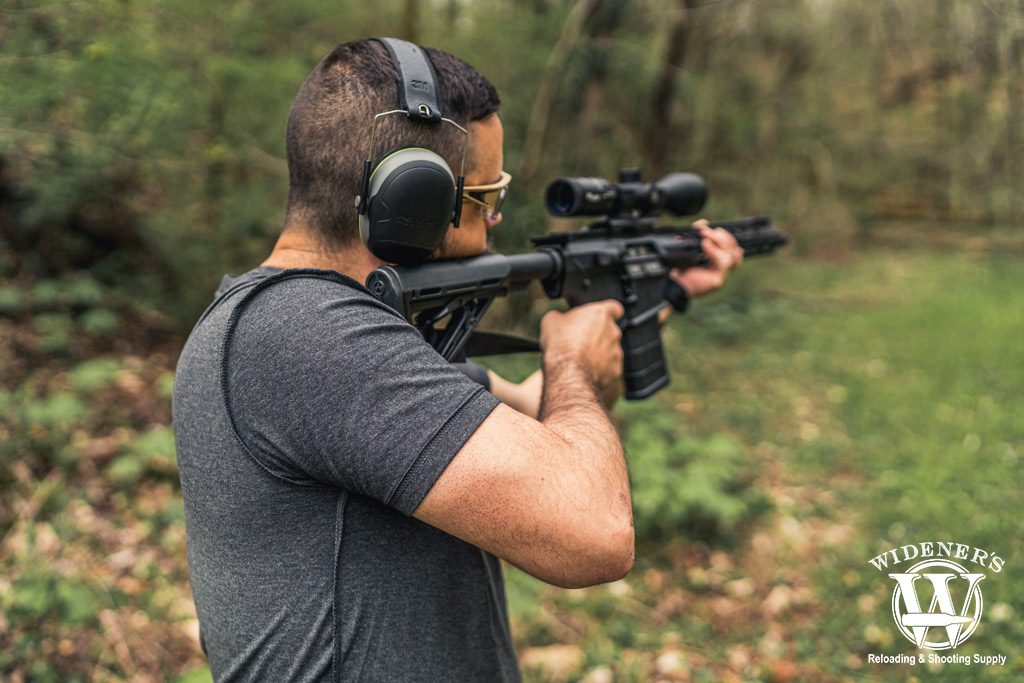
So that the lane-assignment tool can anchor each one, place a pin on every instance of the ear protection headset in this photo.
(408, 199)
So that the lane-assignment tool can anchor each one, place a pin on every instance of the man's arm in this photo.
(550, 496)
(524, 397)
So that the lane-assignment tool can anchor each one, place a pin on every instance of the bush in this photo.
(685, 485)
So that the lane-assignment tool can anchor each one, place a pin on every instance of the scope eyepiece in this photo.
(682, 194)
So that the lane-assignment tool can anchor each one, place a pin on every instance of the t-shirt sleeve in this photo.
(473, 371)
(327, 386)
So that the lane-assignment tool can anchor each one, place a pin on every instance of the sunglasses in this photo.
(489, 197)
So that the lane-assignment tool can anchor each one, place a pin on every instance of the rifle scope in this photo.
(681, 194)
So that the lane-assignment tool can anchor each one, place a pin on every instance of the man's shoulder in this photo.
(297, 306)
(293, 292)
(298, 280)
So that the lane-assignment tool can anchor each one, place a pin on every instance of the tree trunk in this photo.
(660, 127)
(572, 31)
(1014, 169)
(411, 20)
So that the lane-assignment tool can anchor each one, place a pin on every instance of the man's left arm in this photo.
(524, 397)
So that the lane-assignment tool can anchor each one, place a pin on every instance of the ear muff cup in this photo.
(411, 203)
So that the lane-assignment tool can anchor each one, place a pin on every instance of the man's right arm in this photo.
(550, 496)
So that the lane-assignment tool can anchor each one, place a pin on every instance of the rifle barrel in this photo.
(539, 265)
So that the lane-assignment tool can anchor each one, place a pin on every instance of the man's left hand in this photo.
(724, 255)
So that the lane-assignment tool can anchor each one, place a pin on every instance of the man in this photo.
(348, 492)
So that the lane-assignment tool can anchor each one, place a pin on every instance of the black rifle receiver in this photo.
(623, 256)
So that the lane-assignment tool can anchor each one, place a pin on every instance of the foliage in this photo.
(920, 395)
(143, 141)
(821, 410)
(684, 485)
(94, 583)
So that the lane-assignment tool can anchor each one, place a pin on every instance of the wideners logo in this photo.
(937, 602)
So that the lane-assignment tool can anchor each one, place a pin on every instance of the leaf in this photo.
(94, 374)
(100, 321)
(156, 447)
(12, 301)
(125, 468)
(58, 409)
(78, 603)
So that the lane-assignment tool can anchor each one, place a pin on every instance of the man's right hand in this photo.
(590, 336)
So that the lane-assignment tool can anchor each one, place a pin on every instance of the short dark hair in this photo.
(328, 136)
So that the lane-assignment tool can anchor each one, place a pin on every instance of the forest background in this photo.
(856, 393)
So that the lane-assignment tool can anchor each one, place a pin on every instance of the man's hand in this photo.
(592, 328)
(588, 335)
(724, 255)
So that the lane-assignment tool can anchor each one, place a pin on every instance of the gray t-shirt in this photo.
(310, 421)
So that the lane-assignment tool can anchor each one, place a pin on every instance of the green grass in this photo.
(909, 369)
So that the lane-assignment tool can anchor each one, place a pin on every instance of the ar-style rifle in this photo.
(625, 256)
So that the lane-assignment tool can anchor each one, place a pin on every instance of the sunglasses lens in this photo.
(490, 201)
(496, 201)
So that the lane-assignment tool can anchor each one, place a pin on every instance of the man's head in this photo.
(329, 126)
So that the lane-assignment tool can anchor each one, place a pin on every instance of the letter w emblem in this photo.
(915, 622)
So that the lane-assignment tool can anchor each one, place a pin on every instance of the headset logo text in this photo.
(937, 602)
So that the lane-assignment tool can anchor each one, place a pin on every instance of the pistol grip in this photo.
(643, 363)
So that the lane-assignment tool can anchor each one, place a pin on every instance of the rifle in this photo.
(623, 256)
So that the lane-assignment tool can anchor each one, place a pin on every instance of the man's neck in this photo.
(296, 249)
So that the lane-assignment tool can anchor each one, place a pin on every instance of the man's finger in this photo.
(718, 257)
(615, 307)
(725, 254)
(721, 237)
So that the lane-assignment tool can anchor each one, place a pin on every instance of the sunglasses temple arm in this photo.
(459, 188)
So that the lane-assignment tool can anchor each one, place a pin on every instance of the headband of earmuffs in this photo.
(411, 196)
